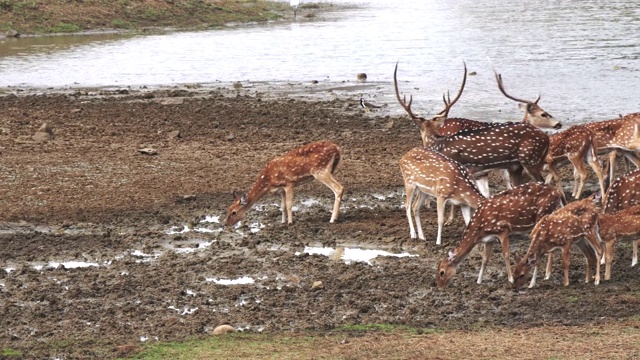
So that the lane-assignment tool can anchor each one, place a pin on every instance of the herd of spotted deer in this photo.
(453, 164)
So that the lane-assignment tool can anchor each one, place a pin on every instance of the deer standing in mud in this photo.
(623, 194)
(426, 172)
(617, 136)
(313, 161)
(576, 145)
(576, 223)
(515, 210)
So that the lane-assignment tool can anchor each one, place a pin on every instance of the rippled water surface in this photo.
(581, 56)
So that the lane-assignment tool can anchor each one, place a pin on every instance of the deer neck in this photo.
(472, 236)
(259, 189)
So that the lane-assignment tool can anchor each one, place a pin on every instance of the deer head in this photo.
(428, 127)
(238, 208)
(534, 114)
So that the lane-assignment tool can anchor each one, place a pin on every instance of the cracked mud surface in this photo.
(115, 218)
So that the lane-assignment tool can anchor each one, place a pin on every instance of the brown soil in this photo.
(90, 195)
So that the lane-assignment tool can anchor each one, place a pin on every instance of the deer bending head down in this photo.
(576, 223)
(511, 211)
(316, 160)
(426, 172)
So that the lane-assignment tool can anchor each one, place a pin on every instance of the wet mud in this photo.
(108, 246)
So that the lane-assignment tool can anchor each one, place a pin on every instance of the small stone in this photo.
(189, 197)
(172, 101)
(148, 151)
(237, 85)
(44, 133)
(317, 285)
(362, 77)
(12, 33)
(230, 137)
(223, 329)
(174, 135)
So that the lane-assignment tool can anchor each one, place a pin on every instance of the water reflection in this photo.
(579, 55)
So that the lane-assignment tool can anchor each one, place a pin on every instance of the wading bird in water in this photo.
(294, 4)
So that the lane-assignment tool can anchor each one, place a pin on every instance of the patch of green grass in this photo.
(7, 352)
(386, 328)
(152, 14)
(572, 299)
(63, 27)
(121, 24)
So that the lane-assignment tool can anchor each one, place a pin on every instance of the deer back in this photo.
(495, 146)
(623, 193)
(576, 140)
(453, 126)
(438, 175)
(615, 133)
(624, 224)
(516, 210)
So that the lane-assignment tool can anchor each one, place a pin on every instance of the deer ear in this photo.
(532, 259)
(517, 257)
(451, 254)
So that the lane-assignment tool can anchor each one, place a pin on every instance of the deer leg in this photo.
(326, 178)
(553, 175)
(609, 245)
(506, 253)
(595, 254)
(283, 206)
(486, 254)
(288, 193)
(612, 165)
(535, 172)
(440, 202)
(466, 213)
(633, 157)
(634, 260)
(590, 257)
(483, 185)
(515, 176)
(408, 205)
(533, 277)
(579, 176)
(547, 273)
(566, 250)
(452, 210)
(595, 165)
(417, 206)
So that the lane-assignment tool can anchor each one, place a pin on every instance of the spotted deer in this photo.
(504, 146)
(577, 224)
(512, 211)
(533, 114)
(316, 160)
(617, 136)
(622, 225)
(622, 194)
(426, 172)
(576, 145)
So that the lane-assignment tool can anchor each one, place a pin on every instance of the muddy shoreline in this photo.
(108, 246)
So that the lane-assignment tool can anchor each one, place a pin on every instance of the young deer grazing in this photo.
(578, 145)
(316, 160)
(576, 223)
(623, 194)
(504, 146)
(427, 172)
(512, 211)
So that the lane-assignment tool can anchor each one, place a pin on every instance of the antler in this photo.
(501, 87)
(403, 101)
(447, 99)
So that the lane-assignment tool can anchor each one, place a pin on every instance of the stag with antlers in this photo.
(316, 160)
(512, 211)
(426, 172)
(504, 146)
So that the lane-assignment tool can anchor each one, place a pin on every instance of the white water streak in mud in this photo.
(353, 254)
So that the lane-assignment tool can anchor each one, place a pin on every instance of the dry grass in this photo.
(611, 341)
